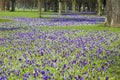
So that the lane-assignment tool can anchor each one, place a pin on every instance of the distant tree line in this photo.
(109, 7)
(55, 5)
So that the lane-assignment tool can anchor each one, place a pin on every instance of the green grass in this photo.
(5, 20)
(28, 14)
(97, 27)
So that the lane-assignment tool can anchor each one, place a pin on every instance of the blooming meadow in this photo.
(29, 53)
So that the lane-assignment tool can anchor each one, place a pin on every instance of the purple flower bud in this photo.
(79, 76)
(24, 55)
(64, 66)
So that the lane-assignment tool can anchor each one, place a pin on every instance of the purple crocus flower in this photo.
(107, 64)
(35, 74)
(3, 78)
(83, 63)
(42, 72)
(45, 78)
(106, 78)
(103, 68)
(24, 78)
(25, 75)
(0, 62)
(79, 78)
(27, 61)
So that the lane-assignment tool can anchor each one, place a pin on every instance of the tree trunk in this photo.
(99, 7)
(12, 5)
(65, 3)
(45, 6)
(74, 6)
(39, 7)
(42, 5)
(113, 13)
(55, 5)
(8, 5)
(3, 5)
(60, 7)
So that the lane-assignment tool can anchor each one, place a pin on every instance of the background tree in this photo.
(3, 5)
(39, 7)
(113, 13)
(13, 5)
(65, 6)
(60, 7)
(73, 6)
(8, 5)
(99, 4)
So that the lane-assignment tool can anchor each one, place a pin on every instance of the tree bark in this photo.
(39, 7)
(113, 13)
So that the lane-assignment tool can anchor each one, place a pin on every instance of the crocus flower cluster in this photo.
(57, 54)
(54, 20)
(35, 54)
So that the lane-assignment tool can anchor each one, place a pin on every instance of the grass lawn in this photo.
(29, 14)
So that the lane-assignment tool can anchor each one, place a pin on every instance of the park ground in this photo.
(66, 47)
